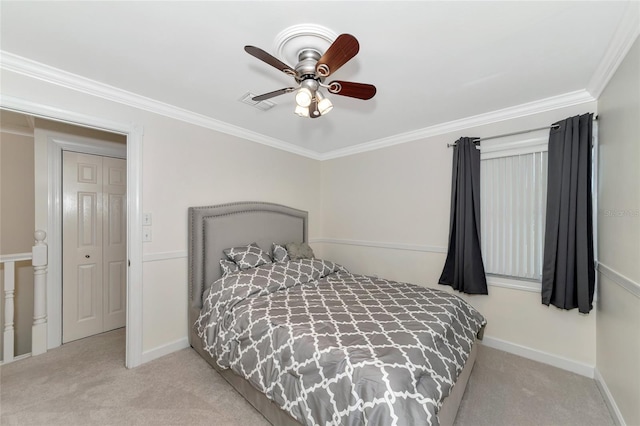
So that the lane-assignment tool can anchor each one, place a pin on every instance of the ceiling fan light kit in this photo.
(304, 97)
(306, 92)
(301, 111)
(324, 104)
(310, 72)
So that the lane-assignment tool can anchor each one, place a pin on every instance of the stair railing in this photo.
(38, 257)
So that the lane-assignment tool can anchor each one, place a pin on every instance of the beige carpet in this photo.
(506, 390)
(85, 383)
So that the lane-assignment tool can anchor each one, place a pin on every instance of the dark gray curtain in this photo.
(463, 269)
(568, 271)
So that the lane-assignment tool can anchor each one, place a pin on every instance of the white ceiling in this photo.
(432, 62)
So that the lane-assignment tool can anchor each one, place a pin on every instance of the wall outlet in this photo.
(146, 234)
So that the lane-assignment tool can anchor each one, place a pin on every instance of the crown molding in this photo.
(33, 69)
(37, 70)
(568, 99)
(626, 34)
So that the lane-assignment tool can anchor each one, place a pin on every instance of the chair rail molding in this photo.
(624, 282)
(381, 244)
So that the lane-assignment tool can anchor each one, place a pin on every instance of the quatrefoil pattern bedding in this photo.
(279, 253)
(248, 256)
(331, 347)
(228, 267)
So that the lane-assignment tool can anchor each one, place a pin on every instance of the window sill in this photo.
(514, 284)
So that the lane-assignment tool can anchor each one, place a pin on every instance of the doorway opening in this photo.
(50, 162)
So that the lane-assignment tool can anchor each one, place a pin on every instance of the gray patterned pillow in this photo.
(228, 267)
(279, 253)
(299, 251)
(247, 256)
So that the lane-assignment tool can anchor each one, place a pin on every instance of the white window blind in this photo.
(513, 176)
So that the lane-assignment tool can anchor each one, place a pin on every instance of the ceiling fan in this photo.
(310, 73)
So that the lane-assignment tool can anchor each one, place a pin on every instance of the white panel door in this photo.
(81, 246)
(114, 242)
(94, 245)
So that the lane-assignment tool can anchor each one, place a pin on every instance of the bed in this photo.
(316, 377)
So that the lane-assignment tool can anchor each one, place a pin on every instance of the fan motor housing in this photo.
(307, 60)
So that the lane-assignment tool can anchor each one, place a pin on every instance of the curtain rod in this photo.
(476, 140)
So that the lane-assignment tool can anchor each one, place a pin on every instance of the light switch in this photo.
(146, 234)
(146, 219)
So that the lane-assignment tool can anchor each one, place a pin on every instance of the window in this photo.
(513, 194)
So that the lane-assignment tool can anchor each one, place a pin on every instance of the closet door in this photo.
(94, 233)
(82, 211)
(114, 242)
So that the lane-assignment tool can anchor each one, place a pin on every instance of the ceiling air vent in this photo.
(261, 105)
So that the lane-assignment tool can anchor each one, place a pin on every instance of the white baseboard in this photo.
(608, 399)
(163, 350)
(17, 358)
(540, 356)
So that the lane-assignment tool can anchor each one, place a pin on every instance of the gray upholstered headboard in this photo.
(215, 228)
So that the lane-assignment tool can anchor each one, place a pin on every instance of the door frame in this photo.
(134, 134)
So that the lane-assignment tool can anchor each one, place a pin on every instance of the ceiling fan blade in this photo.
(353, 90)
(269, 59)
(344, 48)
(273, 94)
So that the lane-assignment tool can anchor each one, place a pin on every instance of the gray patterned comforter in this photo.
(330, 347)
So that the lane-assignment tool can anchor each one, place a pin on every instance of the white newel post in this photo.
(39, 262)
(9, 288)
